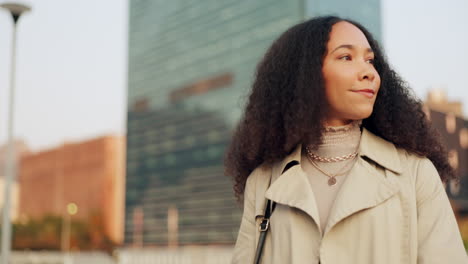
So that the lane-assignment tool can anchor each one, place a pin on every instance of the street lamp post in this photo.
(16, 10)
(72, 209)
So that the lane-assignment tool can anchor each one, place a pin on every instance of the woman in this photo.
(338, 143)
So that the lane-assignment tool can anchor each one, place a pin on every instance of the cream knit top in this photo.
(336, 141)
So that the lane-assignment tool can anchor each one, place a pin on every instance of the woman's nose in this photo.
(367, 73)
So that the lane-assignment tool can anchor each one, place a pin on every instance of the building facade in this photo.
(89, 174)
(447, 117)
(454, 133)
(191, 65)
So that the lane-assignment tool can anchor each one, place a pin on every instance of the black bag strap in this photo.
(264, 226)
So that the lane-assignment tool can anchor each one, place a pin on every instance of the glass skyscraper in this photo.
(191, 64)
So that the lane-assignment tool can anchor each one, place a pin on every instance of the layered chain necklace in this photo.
(331, 177)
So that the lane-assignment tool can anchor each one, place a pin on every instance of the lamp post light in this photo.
(16, 10)
(72, 209)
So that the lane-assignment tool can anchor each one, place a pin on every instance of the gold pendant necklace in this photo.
(331, 178)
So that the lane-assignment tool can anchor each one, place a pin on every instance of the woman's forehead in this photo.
(345, 33)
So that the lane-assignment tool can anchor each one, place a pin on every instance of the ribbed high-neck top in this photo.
(336, 141)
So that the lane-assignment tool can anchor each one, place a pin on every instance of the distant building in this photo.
(21, 149)
(89, 174)
(437, 100)
(191, 65)
(447, 118)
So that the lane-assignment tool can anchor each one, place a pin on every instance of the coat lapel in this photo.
(365, 186)
(291, 187)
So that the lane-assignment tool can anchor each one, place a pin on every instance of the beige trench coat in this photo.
(391, 209)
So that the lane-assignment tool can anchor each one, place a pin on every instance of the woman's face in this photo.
(351, 81)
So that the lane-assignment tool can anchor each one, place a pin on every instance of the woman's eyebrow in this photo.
(351, 47)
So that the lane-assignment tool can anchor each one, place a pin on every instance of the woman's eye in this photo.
(346, 57)
(371, 61)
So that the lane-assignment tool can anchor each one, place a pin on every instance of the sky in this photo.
(71, 71)
(72, 63)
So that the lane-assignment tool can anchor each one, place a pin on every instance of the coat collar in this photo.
(363, 188)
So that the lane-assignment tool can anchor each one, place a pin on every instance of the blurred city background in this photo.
(124, 108)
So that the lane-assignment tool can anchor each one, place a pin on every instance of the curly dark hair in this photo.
(287, 105)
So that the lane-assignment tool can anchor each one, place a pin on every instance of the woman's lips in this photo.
(369, 93)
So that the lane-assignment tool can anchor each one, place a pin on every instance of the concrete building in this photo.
(89, 174)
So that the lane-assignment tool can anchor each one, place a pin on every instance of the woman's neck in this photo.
(339, 140)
